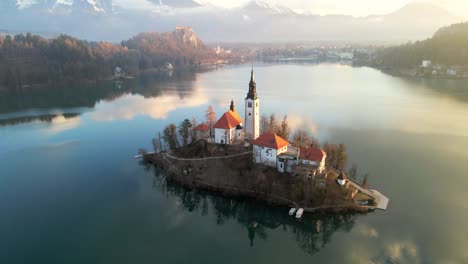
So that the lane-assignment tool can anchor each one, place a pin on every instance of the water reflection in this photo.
(312, 233)
(74, 99)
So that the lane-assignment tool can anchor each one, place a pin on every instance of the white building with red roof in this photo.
(267, 147)
(202, 131)
(229, 127)
(313, 156)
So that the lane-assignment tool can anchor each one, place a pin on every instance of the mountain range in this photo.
(256, 21)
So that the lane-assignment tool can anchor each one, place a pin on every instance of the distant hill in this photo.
(256, 21)
(448, 46)
(31, 60)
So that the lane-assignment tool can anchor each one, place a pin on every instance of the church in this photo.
(230, 128)
(269, 148)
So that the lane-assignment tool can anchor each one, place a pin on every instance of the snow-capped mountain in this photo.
(256, 21)
(176, 3)
(262, 7)
(65, 6)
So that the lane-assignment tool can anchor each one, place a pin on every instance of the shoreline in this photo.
(231, 191)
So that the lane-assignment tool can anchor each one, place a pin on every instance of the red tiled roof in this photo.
(229, 120)
(312, 154)
(270, 140)
(201, 127)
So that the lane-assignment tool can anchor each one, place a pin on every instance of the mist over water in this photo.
(71, 192)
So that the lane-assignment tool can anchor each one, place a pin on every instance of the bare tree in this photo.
(365, 182)
(264, 124)
(157, 143)
(353, 172)
(284, 130)
(210, 117)
(273, 123)
(301, 138)
(193, 132)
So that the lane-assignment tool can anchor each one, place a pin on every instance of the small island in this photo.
(253, 159)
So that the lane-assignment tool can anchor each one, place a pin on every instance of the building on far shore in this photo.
(426, 63)
(267, 147)
(229, 127)
(202, 131)
(313, 156)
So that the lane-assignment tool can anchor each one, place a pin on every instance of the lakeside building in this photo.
(313, 156)
(287, 161)
(267, 148)
(229, 127)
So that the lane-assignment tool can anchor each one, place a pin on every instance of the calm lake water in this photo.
(71, 191)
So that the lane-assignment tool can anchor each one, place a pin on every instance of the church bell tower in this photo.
(252, 111)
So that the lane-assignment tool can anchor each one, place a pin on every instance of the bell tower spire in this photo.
(252, 110)
(252, 94)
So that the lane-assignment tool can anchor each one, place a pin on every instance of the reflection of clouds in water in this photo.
(129, 106)
(60, 123)
(403, 251)
(295, 122)
(175, 215)
(443, 115)
(367, 231)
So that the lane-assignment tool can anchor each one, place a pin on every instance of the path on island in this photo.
(210, 158)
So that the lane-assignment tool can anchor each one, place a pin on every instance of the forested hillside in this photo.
(27, 60)
(448, 46)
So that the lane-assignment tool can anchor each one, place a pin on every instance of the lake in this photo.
(71, 191)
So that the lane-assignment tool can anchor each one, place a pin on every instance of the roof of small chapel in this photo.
(229, 120)
(201, 127)
(271, 140)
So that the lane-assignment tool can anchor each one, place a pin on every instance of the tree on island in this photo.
(210, 117)
(353, 172)
(365, 182)
(157, 143)
(336, 155)
(270, 124)
(264, 124)
(184, 131)
(301, 138)
(284, 130)
(170, 136)
(193, 132)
